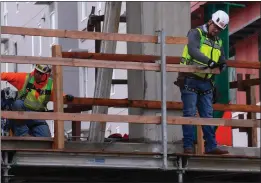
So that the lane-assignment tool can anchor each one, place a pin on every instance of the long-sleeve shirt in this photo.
(18, 81)
(194, 46)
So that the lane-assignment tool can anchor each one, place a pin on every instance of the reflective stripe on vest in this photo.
(211, 51)
(28, 94)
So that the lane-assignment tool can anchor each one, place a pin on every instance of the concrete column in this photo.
(145, 18)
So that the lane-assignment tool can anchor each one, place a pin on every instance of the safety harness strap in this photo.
(198, 91)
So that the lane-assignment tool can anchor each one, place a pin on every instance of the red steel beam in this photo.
(196, 4)
(241, 17)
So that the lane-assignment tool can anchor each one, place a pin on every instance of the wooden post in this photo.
(240, 86)
(58, 99)
(200, 143)
(76, 130)
(251, 99)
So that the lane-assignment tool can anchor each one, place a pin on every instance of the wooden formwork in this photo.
(118, 61)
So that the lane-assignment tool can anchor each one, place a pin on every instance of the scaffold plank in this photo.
(103, 64)
(14, 138)
(172, 120)
(174, 149)
(11, 143)
(60, 159)
(89, 35)
(117, 153)
(216, 156)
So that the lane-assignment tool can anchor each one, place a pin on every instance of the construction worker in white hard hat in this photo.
(34, 92)
(204, 49)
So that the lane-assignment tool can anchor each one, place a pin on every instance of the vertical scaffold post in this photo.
(5, 168)
(163, 99)
(180, 171)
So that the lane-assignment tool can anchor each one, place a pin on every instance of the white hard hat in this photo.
(221, 19)
(43, 68)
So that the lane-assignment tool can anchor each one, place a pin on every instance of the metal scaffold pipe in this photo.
(163, 99)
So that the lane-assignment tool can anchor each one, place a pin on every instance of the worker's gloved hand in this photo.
(212, 64)
(69, 98)
(222, 67)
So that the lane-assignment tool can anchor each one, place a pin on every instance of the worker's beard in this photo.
(42, 79)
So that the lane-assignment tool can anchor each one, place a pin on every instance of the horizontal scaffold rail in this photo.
(102, 64)
(150, 59)
(89, 35)
(245, 83)
(171, 120)
(150, 104)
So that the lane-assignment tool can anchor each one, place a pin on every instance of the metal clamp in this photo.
(158, 32)
(180, 164)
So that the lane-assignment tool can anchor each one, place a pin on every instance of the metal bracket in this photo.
(5, 166)
(159, 36)
(158, 62)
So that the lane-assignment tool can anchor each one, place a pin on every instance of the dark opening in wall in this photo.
(15, 49)
(15, 53)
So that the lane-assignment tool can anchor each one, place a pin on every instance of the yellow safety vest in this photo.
(212, 51)
(28, 94)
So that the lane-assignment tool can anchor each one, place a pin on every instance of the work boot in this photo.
(217, 151)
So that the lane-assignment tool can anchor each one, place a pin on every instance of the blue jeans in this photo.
(191, 102)
(28, 127)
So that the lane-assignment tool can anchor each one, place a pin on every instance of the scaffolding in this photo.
(57, 152)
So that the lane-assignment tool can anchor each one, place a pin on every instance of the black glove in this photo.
(212, 64)
(222, 67)
(69, 98)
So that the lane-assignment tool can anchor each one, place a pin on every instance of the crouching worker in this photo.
(35, 90)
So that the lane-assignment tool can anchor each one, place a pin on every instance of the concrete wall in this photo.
(120, 91)
(146, 18)
(67, 19)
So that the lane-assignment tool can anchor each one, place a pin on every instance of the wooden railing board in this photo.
(102, 64)
(73, 34)
(150, 59)
(172, 120)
